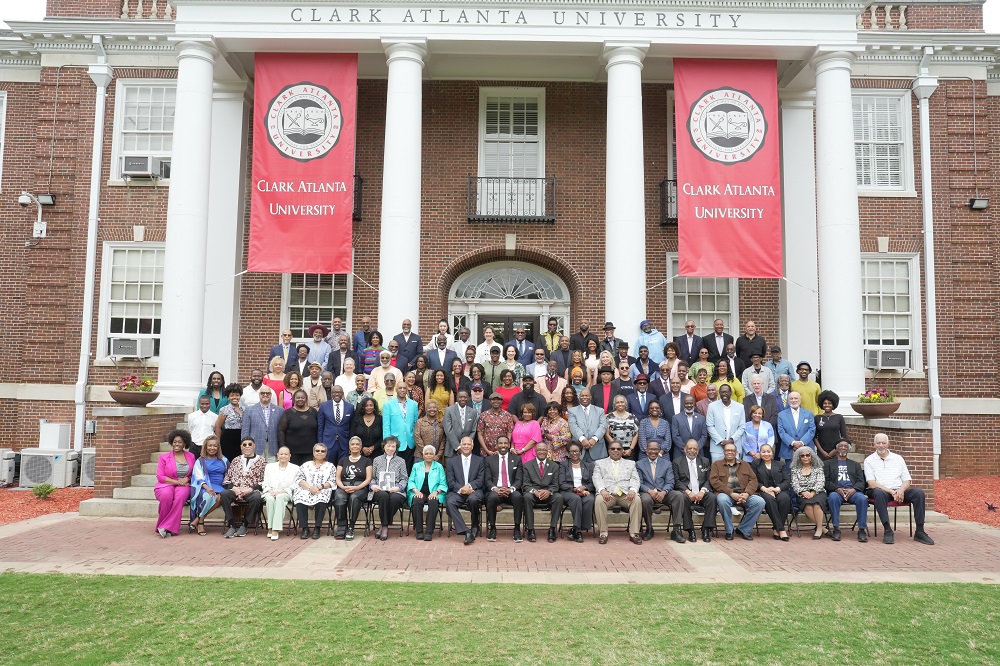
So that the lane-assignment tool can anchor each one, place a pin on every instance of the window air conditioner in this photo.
(88, 460)
(132, 347)
(40, 466)
(887, 359)
(144, 166)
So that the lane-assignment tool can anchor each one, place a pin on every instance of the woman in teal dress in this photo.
(426, 488)
(206, 483)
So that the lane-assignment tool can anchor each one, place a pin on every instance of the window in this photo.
(890, 302)
(702, 300)
(144, 122)
(883, 142)
(310, 298)
(3, 124)
(511, 151)
(132, 293)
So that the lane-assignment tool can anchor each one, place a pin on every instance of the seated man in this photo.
(576, 481)
(656, 480)
(736, 484)
(503, 486)
(845, 482)
(888, 479)
(465, 488)
(243, 482)
(541, 486)
(201, 424)
(691, 488)
(617, 483)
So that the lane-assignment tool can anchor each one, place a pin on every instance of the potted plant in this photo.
(875, 403)
(134, 391)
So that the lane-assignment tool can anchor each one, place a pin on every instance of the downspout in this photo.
(101, 74)
(924, 86)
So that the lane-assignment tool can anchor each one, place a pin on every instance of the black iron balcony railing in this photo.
(526, 200)
(668, 203)
(359, 188)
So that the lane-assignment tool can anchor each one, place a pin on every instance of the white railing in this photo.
(152, 10)
(882, 17)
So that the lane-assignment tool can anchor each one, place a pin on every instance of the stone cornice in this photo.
(76, 36)
(765, 5)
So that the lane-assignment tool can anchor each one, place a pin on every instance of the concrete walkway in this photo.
(68, 543)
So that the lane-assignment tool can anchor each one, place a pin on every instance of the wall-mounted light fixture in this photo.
(979, 203)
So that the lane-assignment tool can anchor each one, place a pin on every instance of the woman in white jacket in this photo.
(279, 483)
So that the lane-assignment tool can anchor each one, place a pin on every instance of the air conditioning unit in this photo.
(40, 466)
(144, 166)
(887, 359)
(132, 347)
(88, 460)
(6, 467)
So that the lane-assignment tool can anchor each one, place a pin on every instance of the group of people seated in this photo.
(578, 401)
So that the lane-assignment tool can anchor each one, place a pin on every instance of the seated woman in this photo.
(173, 483)
(773, 489)
(206, 483)
(809, 486)
(724, 375)
(758, 433)
(426, 490)
(830, 427)
(314, 486)
(388, 486)
(278, 486)
(354, 473)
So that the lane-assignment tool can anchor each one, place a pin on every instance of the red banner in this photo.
(728, 168)
(302, 201)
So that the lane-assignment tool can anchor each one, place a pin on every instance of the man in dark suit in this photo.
(441, 357)
(465, 489)
(638, 402)
(735, 363)
(687, 426)
(656, 480)
(285, 349)
(503, 486)
(621, 354)
(757, 396)
(525, 348)
(579, 340)
(341, 352)
(363, 337)
(690, 488)
(562, 356)
(579, 499)
(540, 485)
(610, 343)
(660, 385)
(334, 424)
(716, 343)
(410, 346)
(300, 362)
(673, 402)
(689, 343)
(845, 482)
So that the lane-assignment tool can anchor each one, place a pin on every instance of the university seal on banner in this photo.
(304, 121)
(727, 125)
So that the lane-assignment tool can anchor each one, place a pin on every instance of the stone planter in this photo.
(875, 410)
(134, 398)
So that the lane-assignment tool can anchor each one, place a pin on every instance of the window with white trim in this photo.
(883, 142)
(700, 299)
(144, 122)
(511, 150)
(3, 125)
(890, 303)
(131, 293)
(310, 298)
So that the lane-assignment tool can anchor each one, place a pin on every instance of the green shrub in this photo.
(43, 490)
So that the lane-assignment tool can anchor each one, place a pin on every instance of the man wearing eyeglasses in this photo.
(284, 349)
(243, 483)
(260, 423)
(735, 483)
(617, 483)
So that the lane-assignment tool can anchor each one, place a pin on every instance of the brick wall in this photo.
(966, 452)
(125, 438)
(914, 445)
(96, 9)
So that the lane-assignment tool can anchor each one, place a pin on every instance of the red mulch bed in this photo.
(20, 504)
(966, 499)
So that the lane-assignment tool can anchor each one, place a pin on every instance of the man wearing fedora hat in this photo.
(610, 342)
(319, 350)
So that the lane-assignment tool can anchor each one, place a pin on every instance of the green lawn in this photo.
(53, 619)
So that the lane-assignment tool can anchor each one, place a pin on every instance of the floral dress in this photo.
(555, 433)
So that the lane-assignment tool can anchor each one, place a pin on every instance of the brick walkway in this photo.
(965, 552)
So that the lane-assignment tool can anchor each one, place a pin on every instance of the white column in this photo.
(399, 276)
(798, 293)
(838, 230)
(226, 203)
(183, 315)
(625, 199)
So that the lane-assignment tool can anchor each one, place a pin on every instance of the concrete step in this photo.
(135, 493)
(164, 447)
(144, 480)
(121, 508)
(149, 468)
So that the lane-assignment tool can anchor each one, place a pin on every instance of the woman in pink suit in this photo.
(173, 483)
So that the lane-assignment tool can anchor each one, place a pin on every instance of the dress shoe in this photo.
(517, 536)
(552, 535)
(706, 535)
(305, 533)
(888, 537)
(316, 532)
(469, 537)
(692, 537)
(339, 534)
(863, 536)
(647, 535)
(784, 538)
(420, 536)
(745, 537)
(578, 536)
(349, 535)
(923, 538)
(636, 539)
(475, 531)
(492, 534)
(428, 535)
(383, 533)
(835, 535)
(603, 539)
(231, 532)
(729, 536)
(677, 536)
(531, 536)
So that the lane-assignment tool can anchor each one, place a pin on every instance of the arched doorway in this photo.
(507, 295)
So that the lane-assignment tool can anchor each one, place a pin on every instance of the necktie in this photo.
(462, 412)
(503, 472)
(642, 402)
(285, 352)
(541, 469)
(551, 382)
(337, 412)
(618, 491)
(795, 414)
(520, 349)
(465, 470)
(652, 466)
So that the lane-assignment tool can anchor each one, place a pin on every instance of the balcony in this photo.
(523, 200)
(668, 203)
(359, 187)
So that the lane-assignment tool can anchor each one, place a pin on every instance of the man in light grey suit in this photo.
(260, 422)
(539, 367)
(587, 425)
(459, 421)
(726, 423)
(617, 483)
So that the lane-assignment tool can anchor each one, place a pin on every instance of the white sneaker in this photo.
(736, 512)
(274, 537)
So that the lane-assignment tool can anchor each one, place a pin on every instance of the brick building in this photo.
(561, 79)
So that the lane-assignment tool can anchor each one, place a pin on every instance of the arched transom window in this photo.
(508, 283)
